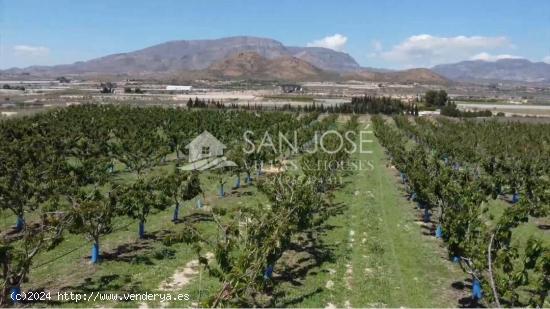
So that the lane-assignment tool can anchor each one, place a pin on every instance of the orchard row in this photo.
(458, 171)
(59, 173)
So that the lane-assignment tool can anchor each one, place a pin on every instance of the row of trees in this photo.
(451, 110)
(56, 171)
(250, 243)
(412, 109)
(511, 272)
(135, 90)
(374, 105)
(358, 105)
(202, 103)
(89, 210)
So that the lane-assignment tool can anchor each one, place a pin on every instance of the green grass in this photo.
(524, 231)
(392, 263)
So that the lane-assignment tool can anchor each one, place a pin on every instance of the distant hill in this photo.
(196, 55)
(519, 70)
(326, 59)
(251, 65)
(424, 76)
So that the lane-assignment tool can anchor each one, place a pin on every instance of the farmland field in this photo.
(96, 200)
(274, 154)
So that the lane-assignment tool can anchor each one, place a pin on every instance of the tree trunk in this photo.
(141, 229)
(175, 218)
(238, 182)
(95, 251)
(490, 262)
(20, 223)
(4, 298)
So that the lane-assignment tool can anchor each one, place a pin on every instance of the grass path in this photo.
(373, 253)
(381, 256)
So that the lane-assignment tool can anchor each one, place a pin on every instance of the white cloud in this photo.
(488, 57)
(336, 42)
(28, 50)
(428, 50)
(546, 59)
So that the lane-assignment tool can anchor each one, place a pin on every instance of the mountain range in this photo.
(245, 57)
(239, 57)
(517, 70)
(199, 55)
(420, 75)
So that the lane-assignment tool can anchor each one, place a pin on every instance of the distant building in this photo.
(290, 88)
(178, 88)
(428, 113)
(205, 146)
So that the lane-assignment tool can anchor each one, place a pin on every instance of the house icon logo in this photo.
(205, 146)
(206, 152)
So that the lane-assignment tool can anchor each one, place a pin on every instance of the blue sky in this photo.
(383, 33)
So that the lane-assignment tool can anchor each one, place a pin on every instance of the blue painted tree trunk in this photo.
(268, 273)
(175, 218)
(199, 203)
(477, 292)
(248, 179)
(403, 178)
(238, 182)
(456, 259)
(95, 253)
(515, 198)
(15, 291)
(438, 231)
(141, 230)
(221, 190)
(19, 224)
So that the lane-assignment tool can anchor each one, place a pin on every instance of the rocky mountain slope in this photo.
(251, 65)
(520, 70)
